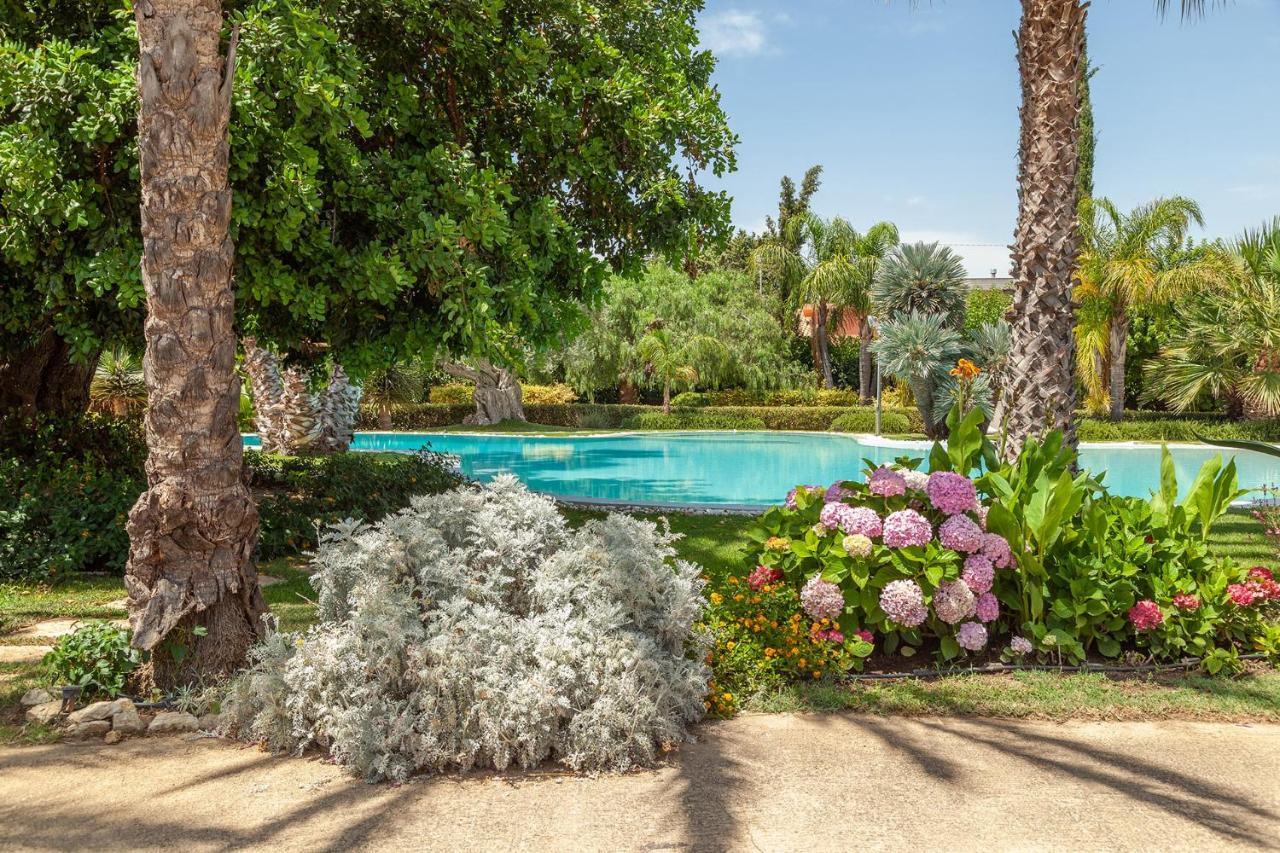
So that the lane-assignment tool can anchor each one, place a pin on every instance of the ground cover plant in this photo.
(477, 629)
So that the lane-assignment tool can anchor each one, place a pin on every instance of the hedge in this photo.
(864, 420)
(459, 393)
(684, 419)
(1149, 427)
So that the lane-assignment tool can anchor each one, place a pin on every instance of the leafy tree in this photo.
(983, 306)
(1137, 259)
(924, 278)
(407, 177)
(793, 205)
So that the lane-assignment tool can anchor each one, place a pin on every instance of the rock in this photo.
(36, 696)
(128, 722)
(112, 736)
(45, 712)
(91, 729)
(171, 722)
(98, 711)
(210, 722)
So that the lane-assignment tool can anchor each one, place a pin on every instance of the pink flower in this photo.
(821, 599)
(951, 492)
(864, 635)
(837, 492)
(1243, 594)
(1261, 573)
(791, 495)
(960, 533)
(1021, 646)
(978, 573)
(917, 480)
(982, 516)
(996, 549)
(905, 528)
(886, 483)
(1186, 602)
(987, 608)
(1145, 615)
(763, 576)
(903, 602)
(851, 519)
(972, 636)
(953, 601)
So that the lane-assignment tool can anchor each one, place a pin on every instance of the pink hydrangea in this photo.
(851, 519)
(915, 480)
(952, 493)
(831, 635)
(905, 528)
(978, 573)
(953, 601)
(1021, 646)
(886, 483)
(1186, 602)
(987, 608)
(763, 576)
(1244, 594)
(960, 533)
(791, 495)
(903, 602)
(1261, 573)
(837, 492)
(857, 545)
(996, 549)
(864, 635)
(821, 599)
(1145, 615)
(972, 636)
(982, 516)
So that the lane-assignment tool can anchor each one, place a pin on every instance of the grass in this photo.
(83, 597)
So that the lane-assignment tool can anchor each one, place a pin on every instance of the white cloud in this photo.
(734, 33)
(981, 255)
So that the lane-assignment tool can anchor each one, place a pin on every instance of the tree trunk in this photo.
(666, 397)
(824, 351)
(384, 418)
(627, 394)
(864, 360)
(815, 349)
(922, 390)
(1040, 392)
(44, 377)
(497, 395)
(194, 600)
(1119, 341)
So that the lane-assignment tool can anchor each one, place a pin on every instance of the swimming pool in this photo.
(745, 469)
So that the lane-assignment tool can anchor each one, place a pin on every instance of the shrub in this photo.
(453, 394)
(1161, 426)
(462, 394)
(297, 495)
(66, 488)
(416, 416)
(691, 399)
(475, 629)
(864, 420)
(691, 420)
(96, 657)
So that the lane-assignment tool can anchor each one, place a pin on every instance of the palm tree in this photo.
(919, 349)
(1138, 260)
(924, 278)
(118, 385)
(820, 271)
(1040, 390)
(1228, 340)
(670, 363)
(392, 386)
(194, 601)
(869, 250)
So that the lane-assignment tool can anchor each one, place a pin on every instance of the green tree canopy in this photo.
(408, 176)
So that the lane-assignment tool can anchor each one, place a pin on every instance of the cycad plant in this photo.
(392, 386)
(1141, 258)
(925, 278)
(919, 349)
(118, 385)
(1227, 342)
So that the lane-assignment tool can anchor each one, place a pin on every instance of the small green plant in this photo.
(96, 657)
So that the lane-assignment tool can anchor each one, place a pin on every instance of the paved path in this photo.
(781, 782)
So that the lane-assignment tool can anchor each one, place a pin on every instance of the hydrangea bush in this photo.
(1024, 558)
(476, 629)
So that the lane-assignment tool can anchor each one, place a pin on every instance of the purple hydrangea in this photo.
(960, 533)
(905, 528)
(903, 602)
(916, 480)
(972, 636)
(851, 519)
(951, 492)
(953, 601)
(982, 516)
(996, 549)
(987, 608)
(1021, 646)
(978, 573)
(886, 483)
(791, 495)
(837, 492)
(822, 599)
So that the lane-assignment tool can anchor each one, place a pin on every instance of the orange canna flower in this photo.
(965, 369)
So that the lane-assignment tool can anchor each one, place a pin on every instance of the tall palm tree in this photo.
(925, 278)
(1040, 389)
(1138, 260)
(194, 600)
(671, 363)
(869, 250)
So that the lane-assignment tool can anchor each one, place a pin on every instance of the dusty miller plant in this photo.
(475, 629)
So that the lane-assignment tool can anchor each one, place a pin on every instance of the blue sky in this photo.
(913, 113)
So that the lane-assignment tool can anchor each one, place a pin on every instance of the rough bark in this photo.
(824, 351)
(194, 600)
(290, 418)
(497, 394)
(1040, 392)
(44, 377)
(1118, 344)
(864, 360)
(627, 393)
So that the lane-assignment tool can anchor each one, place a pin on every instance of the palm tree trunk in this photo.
(824, 351)
(864, 360)
(194, 600)
(1118, 343)
(666, 397)
(1041, 384)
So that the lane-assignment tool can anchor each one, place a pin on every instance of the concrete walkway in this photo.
(781, 782)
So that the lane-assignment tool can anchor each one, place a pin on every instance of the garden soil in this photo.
(759, 782)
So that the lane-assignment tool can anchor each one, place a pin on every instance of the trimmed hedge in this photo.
(1149, 426)
(416, 416)
(864, 420)
(460, 393)
(690, 420)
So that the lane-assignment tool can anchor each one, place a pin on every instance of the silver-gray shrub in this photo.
(476, 629)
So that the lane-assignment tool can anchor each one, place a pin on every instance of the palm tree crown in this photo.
(922, 277)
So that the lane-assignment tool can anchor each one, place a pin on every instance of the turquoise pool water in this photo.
(744, 468)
